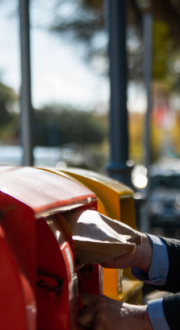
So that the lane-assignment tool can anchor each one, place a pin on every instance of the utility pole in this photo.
(147, 36)
(25, 95)
(120, 166)
(147, 41)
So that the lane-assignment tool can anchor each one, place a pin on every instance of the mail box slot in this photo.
(39, 256)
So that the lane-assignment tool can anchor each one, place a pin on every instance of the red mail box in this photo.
(38, 284)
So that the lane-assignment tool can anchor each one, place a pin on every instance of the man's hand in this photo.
(141, 258)
(102, 313)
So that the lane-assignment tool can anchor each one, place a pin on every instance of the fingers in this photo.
(85, 321)
(99, 312)
(123, 261)
(82, 328)
(88, 298)
(78, 266)
(87, 315)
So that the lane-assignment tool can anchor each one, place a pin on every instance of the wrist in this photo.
(147, 322)
(137, 315)
(144, 254)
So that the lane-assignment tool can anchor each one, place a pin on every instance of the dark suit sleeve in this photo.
(171, 303)
(173, 278)
(171, 306)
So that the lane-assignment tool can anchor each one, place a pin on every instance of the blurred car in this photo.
(163, 204)
(69, 154)
(12, 155)
(73, 156)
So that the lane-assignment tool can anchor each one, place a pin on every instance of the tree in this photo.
(9, 121)
(7, 98)
(55, 126)
(85, 24)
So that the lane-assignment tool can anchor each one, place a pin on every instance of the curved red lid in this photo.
(43, 191)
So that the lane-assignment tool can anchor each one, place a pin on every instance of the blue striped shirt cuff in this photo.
(159, 268)
(156, 315)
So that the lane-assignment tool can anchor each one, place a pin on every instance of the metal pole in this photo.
(119, 167)
(25, 98)
(147, 34)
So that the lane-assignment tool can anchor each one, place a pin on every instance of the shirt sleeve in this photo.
(157, 275)
(158, 271)
(156, 315)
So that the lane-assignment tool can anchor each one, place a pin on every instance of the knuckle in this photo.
(101, 303)
(99, 319)
(102, 298)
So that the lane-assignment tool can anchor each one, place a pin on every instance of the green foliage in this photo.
(53, 125)
(56, 126)
(87, 20)
(86, 26)
(9, 121)
(160, 49)
(7, 97)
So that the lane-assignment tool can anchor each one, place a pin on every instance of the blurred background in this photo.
(71, 94)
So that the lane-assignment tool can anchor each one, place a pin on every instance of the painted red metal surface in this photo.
(42, 258)
(18, 223)
(20, 237)
(42, 190)
(12, 304)
(55, 260)
(90, 279)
